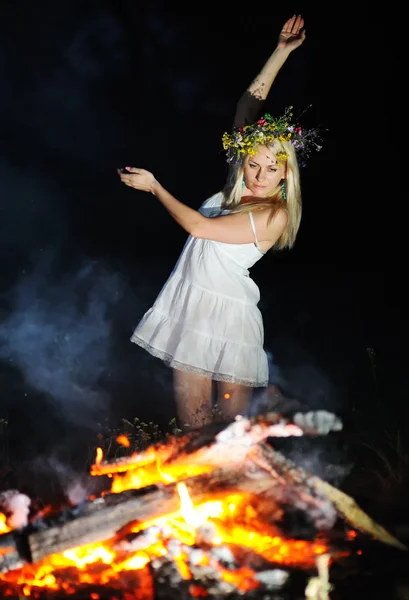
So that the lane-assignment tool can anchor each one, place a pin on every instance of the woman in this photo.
(205, 323)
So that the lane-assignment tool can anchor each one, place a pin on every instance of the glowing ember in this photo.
(123, 440)
(210, 534)
(230, 521)
(4, 528)
(99, 456)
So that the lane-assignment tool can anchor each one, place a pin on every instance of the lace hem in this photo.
(169, 360)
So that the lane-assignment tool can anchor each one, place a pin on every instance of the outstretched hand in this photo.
(140, 179)
(292, 34)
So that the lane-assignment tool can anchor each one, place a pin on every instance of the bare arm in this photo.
(250, 104)
(236, 228)
(231, 229)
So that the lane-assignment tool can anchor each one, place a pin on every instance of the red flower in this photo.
(298, 130)
(261, 121)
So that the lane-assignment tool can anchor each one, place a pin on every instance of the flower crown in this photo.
(245, 140)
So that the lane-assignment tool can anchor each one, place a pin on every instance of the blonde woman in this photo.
(205, 323)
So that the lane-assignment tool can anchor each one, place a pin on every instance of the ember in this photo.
(204, 510)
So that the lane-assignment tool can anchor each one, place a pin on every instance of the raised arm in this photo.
(250, 105)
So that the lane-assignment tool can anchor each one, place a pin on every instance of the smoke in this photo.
(301, 377)
(58, 334)
(72, 484)
(322, 457)
(295, 382)
(310, 384)
(299, 384)
(16, 507)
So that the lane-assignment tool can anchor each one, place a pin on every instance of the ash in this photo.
(206, 566)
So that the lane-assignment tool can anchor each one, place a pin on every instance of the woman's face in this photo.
(261, 173)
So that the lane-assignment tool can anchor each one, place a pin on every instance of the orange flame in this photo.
(99, 456)
(231, 520)
(4, 528)
(123, 441)
(101, 563)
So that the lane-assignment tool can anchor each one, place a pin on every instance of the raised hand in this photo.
(140, 179)
(292, 34)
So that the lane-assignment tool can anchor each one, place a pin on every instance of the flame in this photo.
(228, 520)
(123, 441)
(99, 456)
(4, 528)
(191, 516)
(71, 570)
(101, 563)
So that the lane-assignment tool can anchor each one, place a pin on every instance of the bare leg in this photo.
(233, 399)
(193, 395)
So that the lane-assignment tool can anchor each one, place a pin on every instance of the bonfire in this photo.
(201, 515)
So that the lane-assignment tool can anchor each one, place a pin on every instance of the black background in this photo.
(87, 87)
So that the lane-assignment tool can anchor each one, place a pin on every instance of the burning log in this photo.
(287, 471)
(258, 469)
(100, 520)
(220, 444)
(243, 440)
(230, 464)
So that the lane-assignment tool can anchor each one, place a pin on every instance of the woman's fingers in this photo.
(288, 25)
(293, 24)
(140, 179)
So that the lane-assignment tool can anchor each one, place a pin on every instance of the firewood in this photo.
(349, 509)
(288, 472)
(100, 520)
(235, 458)
(219, 444)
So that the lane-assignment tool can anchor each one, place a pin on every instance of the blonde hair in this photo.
(232, 194)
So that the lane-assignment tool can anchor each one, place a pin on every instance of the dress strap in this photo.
(254, 231)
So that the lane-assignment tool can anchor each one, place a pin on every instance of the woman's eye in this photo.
(271, 170)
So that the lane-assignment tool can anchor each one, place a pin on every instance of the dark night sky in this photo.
(90, 86)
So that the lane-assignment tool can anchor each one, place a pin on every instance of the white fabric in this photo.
(253, 226)
(206, 320)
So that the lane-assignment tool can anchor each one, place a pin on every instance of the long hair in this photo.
(232, 194)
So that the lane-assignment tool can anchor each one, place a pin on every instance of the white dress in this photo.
(206, 320)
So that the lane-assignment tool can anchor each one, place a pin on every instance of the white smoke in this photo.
(58, 334)
(16, 507)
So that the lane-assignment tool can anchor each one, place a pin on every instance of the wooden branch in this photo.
(215, 444)
(101, 519)
(219, 444)
(349, 509)
(295, 477)
(238, 460)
